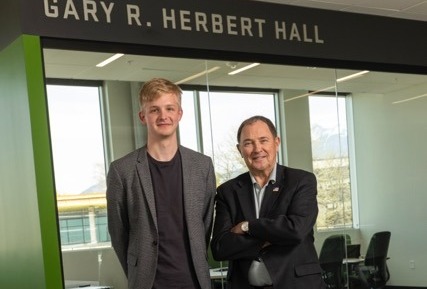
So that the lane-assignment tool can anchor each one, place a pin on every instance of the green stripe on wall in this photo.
(21, 259)
(29, 242)
(43, 161)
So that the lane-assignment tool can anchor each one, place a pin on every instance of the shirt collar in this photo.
(272, 178)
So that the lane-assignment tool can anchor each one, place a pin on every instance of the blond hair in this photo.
(152, 89)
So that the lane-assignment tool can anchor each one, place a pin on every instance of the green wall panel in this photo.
(29, 246)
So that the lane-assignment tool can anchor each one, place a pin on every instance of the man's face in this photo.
(258, 148)
(161, 116)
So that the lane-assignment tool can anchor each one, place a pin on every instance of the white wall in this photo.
(298, 138)
(391, 155)
(119, 116)
(391, 160)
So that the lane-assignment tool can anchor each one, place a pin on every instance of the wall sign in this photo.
(232, 25)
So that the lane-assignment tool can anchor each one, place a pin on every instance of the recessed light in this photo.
(109, 60)
(244, 68)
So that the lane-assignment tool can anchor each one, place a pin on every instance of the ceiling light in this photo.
(109, 60)
(409, 99)
(309, 93)
(244, 68)
(351, 76)
(204, 72)
(342, 79)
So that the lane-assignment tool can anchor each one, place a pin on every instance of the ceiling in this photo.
(407, 9)
(68, 64)
(81, 64)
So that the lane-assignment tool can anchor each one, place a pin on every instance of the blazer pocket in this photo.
(132, 260)
(307, 269)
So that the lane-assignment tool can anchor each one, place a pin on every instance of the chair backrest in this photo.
(333, 250)
(378, 248)
(347, 239)
(331, 260)
(376, 259)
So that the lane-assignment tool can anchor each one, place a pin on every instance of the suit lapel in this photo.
(272, 192)
(245, 194)
(145, 180)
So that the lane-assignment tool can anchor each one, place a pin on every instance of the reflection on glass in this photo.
(222, 113)
(329, 144)
(188, 123)
(79, 167)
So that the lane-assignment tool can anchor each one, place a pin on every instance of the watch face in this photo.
(245, 227)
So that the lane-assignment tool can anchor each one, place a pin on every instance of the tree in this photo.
(334, 194)
(228, 162)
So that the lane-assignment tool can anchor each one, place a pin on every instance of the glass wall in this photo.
(331, 162)
(362, 133)
(79, 162)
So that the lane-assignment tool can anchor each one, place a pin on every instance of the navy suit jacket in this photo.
(287, 216)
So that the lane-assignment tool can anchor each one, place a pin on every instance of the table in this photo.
(218, 273)
(353, 260)
(218, 277)
(352, 263)
(77, 284)
(92, 287)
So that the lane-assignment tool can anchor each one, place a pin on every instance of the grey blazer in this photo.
(132, 214)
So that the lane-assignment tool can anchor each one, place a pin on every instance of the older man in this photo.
(267, 214)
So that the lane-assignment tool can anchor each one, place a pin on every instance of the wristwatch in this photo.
(245, 227)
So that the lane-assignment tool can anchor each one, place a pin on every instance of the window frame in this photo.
(351, 160)
(83, 214)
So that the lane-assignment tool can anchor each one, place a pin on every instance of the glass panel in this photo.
(188, 123)
(331, 165)
(377, 170)
(389, 124)
(79, 163)
(222, 113)
(75, 126)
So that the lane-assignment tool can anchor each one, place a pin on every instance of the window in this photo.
(331, 163)
(222, 112)
(79, 163)
(209, 125)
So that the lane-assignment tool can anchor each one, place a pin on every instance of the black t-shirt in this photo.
(174, 267)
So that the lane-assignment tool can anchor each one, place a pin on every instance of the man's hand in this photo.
(237, 229)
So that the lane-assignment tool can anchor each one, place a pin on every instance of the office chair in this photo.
(347, 239)
(373, 273)
(331, 258)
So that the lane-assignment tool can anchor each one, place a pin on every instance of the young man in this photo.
(160, 200)
(267, 213)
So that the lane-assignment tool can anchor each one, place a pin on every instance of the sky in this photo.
(76, 135)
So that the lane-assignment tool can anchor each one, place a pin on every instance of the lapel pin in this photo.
(276, 189)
